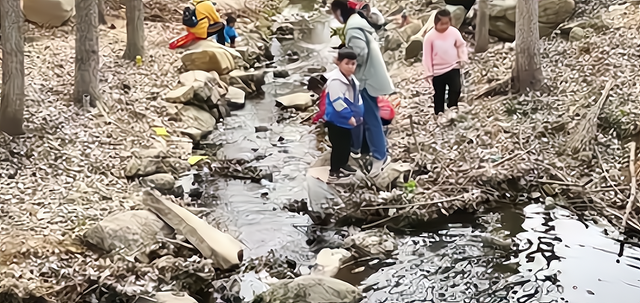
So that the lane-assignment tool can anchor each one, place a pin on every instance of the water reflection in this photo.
(557, 258)
(255, 209)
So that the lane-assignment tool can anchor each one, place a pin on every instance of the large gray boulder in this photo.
(133, 232)
(551, 13)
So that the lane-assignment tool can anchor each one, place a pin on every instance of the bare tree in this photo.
(102, 19)
(135, 30)
(12, 102)
(527, 73)
(87, 52)
(482, 27)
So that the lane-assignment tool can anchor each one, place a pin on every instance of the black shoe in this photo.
(338, 177)
(347, 169)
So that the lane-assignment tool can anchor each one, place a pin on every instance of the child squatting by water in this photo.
(344, 112)
(444, 53)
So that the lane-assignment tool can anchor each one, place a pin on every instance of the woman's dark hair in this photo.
(343, 7)
(346, 12)
(346, 53)
(441, 14)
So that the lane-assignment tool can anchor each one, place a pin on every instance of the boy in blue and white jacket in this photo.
(344, 111)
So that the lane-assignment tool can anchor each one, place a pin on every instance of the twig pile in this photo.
(512, 148)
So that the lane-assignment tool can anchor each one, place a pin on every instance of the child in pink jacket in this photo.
(444, 53)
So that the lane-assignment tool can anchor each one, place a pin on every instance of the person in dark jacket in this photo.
(344, 112)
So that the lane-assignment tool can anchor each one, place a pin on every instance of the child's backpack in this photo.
(322, 104)
(189, 18)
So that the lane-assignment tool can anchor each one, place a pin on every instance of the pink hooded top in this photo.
(442, 52)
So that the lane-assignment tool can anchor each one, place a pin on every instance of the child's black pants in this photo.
(340, 139)
(440, 83)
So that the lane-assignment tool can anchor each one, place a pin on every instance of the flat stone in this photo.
(174, 297)
(235, 98)
(316, 289)
(576, 34)
(162, 182)
(328, 262)
(190, 77)
(217, 59)
(199, 122)
(299, 101)
(180, 95)
(130, 231)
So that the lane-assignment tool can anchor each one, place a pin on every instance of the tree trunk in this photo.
(87, 52)
(482, 27)
(527, 73)
(135, 30)
(102, 19)
(12, 97)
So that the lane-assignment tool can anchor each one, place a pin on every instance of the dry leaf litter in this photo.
(566, 145)
(67, 174)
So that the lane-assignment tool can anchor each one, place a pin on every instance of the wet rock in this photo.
(249, 81)
(48, 12)
(298, 101)
(164, 183)
(180, 95)
(285, 29)
(576, 34)
(310, 289)
(209, 56)
(328, 262)
(375, 241)
(235, 98)
(261, 128)
(204, 85)
(551, 13)
(211, 242)
(200, 122)
(283, 73)
(174, 297)
(130, 231)
(143, 167)
(220, 85)
(316, 69)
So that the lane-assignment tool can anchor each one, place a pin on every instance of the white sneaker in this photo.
(355, 155)
(379, 165)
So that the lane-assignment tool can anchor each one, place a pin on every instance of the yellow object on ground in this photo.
(195, 159)
(160, 131)
(207, 14)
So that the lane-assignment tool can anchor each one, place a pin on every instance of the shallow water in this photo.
(255, 209)
(557, 259)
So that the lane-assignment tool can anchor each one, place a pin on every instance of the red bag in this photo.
(387, 112)
(321, 107)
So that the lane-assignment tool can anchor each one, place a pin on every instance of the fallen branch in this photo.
(587, 129)
(413, 133)
(632, 171)
(413, 204)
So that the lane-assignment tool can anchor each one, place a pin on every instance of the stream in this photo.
(555, 257)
